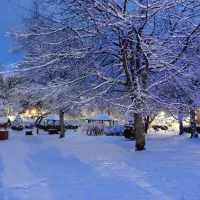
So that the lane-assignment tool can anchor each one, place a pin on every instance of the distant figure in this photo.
(9, 122)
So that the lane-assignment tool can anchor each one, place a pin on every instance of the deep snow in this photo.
(43, 167)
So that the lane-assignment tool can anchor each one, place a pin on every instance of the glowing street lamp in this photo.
(162, 113)
(33, 111)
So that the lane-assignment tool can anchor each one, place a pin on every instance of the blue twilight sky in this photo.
(9, 16)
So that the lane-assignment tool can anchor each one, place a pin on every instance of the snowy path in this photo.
(78, 167)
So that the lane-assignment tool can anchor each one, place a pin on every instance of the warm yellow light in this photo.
(162, 113)
(33, 111)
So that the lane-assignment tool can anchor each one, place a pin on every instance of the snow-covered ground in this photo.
(43, 167)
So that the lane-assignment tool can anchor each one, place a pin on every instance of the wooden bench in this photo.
(53, 131)
(29, 132)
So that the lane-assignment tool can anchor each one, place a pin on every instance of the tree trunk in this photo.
(38, 120)
(139, 132)
(180, 119)
(181, 129)
(62, 125)
(193, 122)
(147, 121)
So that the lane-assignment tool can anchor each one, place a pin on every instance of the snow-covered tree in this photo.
(8, 83)
(18, 123)
(90, 49)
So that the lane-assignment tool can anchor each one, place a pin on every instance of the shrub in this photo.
(29, 123)
(187, 129)
(129, 132)
(114, 130)
(17, 124)
(92, 129)
(95, 129)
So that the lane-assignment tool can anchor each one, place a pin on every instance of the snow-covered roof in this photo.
(3, 120)
(100, 117)
(53, 118)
